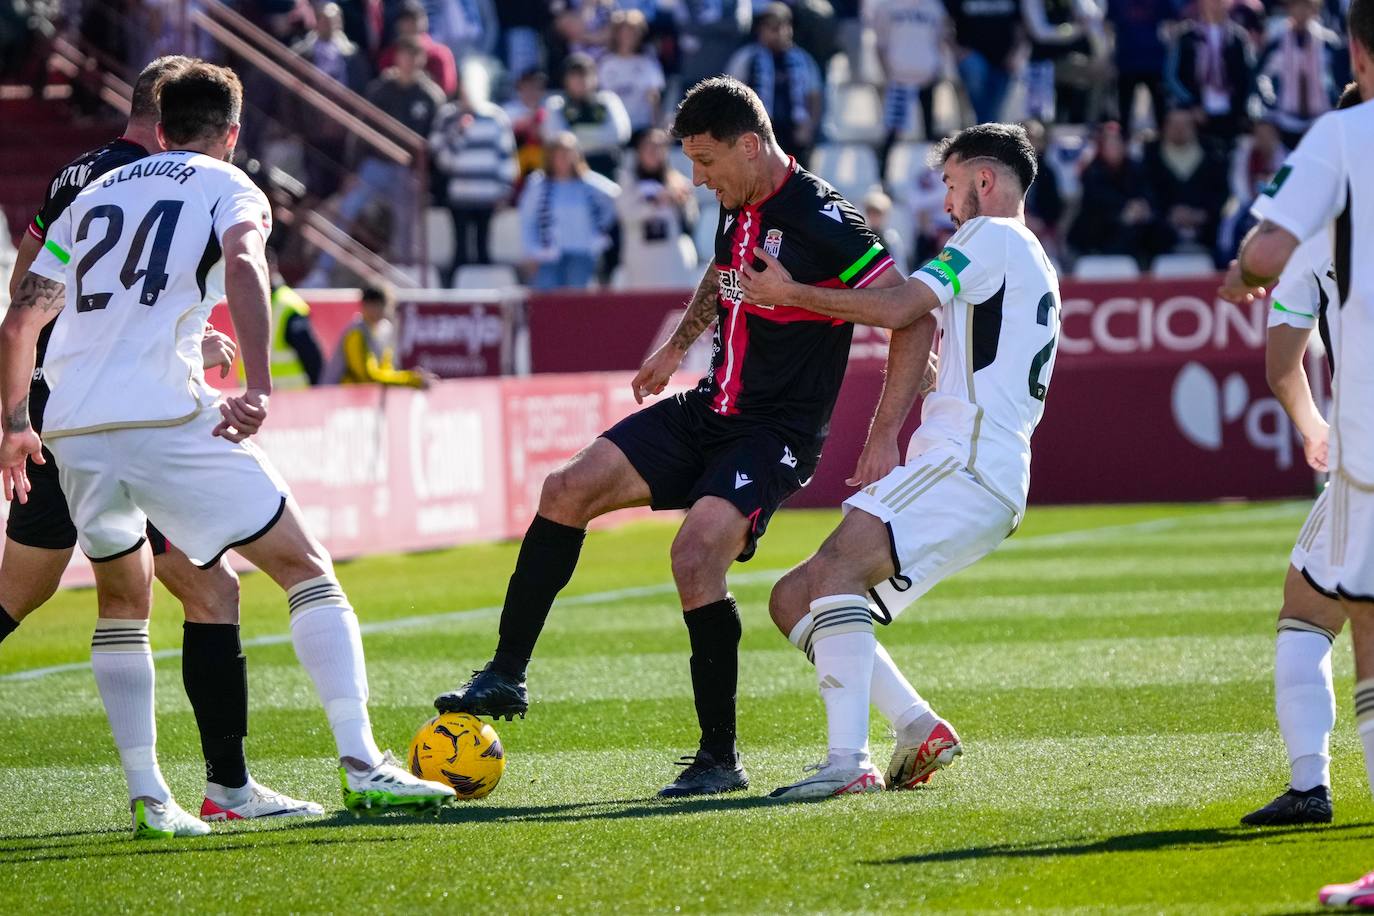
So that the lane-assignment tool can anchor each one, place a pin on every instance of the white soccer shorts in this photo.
(1311, 554)
(939, 519)
(205, 493)
(1352, 538)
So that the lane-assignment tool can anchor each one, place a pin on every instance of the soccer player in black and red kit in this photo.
(730, 451)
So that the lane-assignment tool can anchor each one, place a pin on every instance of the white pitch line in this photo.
(744, 578)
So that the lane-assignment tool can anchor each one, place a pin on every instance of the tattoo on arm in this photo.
(17, 420)
(40, 293)
(701, 311)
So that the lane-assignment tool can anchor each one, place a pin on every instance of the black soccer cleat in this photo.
(1293, 807)
(490, 692)
(705, 775)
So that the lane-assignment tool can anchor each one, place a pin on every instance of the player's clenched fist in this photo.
(880, 455)
(242, 415)
(15, 450)
(217, 349)
(656, 372)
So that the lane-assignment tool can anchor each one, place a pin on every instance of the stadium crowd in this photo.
(1157, 121)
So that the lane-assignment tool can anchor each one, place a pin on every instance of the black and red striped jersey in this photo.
(783, 365)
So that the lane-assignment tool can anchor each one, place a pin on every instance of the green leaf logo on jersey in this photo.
(946, 267)
(1272, 187)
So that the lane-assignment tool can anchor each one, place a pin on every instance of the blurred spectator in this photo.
(1115, 217)
(566, 213)
(364, 22)
(580, 27)
(330, 50)
(413, 23)
(366, 352)
(527, 115)
(1295, 70)
(1044, 203)
(657, 211)
(1187, 182)
(1054, 30)
(709, 31)
(409, 96)
(1140, 52)
(908, 35)
(1211, 69)
(474, 152)
(523, 23)
(878, 212)
(985, 36)
(594, 116)
(632, 73)
(296, 358)
(785, 77)
(1257, 157)
(464, 26)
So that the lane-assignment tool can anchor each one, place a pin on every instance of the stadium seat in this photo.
(485, 276)
(852, 168)
(1106, 267)
(704, 236)
(854, 114)
(503, 240)
(439, 236)
(1183, 264)
(903, 161)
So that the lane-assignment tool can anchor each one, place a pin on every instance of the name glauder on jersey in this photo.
(166, 168)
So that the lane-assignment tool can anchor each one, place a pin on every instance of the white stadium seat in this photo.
(850, 167)
(1106, 267)
(704, 236)
(439, 236)
(854, 114)
(1183, 264)
(485, 276)
(503, 240)
(903, 161)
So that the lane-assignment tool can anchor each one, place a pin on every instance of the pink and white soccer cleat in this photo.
(917, 757)
(1359, 894)
(261, 802)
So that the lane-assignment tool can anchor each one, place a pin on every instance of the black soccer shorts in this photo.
(44, 521)
(685, 451)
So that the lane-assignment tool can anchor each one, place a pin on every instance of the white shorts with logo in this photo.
(939, 519)
(205, 493)
(1312, 553)
(1352, 538)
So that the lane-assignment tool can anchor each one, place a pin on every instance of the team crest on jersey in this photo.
(772, 242)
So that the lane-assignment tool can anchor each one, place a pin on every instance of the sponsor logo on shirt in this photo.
(833, 211)
(1273, 186)
(730, 290)
(947, 265)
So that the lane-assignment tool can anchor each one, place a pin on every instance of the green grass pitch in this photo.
(1109, 670)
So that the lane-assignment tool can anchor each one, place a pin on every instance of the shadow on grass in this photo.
(1145, 841)
(220, 843)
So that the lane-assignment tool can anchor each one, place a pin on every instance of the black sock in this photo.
(714, 630)
(216, 677)
(7, 624)
(548, 556)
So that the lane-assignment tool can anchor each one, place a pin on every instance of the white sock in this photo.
(227, 796)
(1305, 702)
(843, 641)
(890, 691)
(324, 631)
(1364, 713)
(123, 664)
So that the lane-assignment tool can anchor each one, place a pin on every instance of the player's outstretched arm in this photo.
(23, 260)
(908, 356)
(885, 303)
(1283, 367)
(658, 369)
(246, 290)
(37, 302)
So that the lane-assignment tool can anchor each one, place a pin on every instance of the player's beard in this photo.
(972, 207)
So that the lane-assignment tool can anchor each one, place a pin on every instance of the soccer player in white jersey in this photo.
(1326, 189)
(130, 271)
(1311, 616)
(963, 487)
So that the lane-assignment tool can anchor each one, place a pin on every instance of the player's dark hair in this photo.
(1361, 19)
(723, 107)
(143, 105)
(1006, 143)
(377, 294)
(1350, 97)
(199, 102)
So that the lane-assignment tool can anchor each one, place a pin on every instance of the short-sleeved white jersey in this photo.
(139, 252)
(999, 330)
(1306, 287)
(1322, 191)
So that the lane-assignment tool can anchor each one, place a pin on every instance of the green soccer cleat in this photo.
(389, 787)
(154, 820)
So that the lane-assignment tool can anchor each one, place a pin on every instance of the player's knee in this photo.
(219, 600)
(693, 561)
(563, 497)
(789, 602)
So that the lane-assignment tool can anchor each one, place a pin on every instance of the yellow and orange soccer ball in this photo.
(461, 751)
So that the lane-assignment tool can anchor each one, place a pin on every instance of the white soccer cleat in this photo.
(917, 757)
(261, 802)
(389, 786)
(163, 820)
(847, 775)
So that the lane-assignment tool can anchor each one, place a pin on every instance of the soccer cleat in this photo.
(705, 775)
(1359, 894)
(1312, 806)
(488, 693)
(388, 786)
(154, 820)
(916, 757)
(849, 775)
(261, 802)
